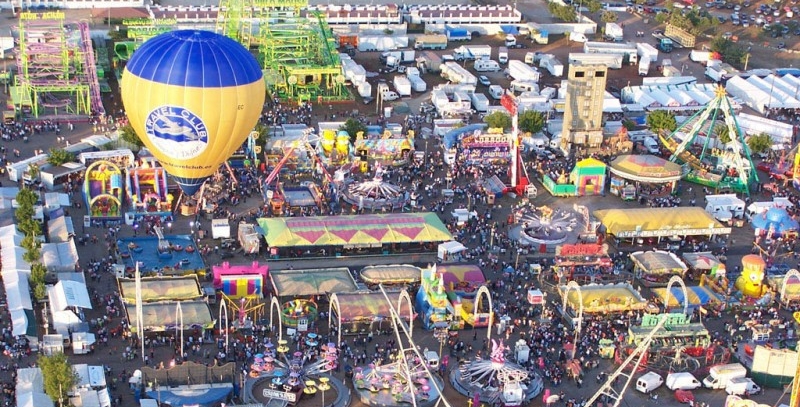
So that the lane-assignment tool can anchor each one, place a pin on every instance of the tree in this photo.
(628, 124)
(32, 256)
(723, 134)
(498, 120)
(661, 120)
(353, 127)
(759, 143)
(128, 135)
(729, 51)
(531, 121)
(592, 6)
(58, 156)
(608, 17)
(33, 171)
(563, 12)
(59, 378)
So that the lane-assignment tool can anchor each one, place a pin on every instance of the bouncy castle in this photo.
(147, 188)
(102, 190)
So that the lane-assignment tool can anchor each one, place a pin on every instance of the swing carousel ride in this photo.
(496, 379)
(730, 167)
(545, 225)
(374, 194)
(404, 381)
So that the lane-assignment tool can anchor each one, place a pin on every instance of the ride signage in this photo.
(580, 250)
(280, 395)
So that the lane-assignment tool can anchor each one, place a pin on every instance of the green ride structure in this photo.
(729, 167)
(296, 48)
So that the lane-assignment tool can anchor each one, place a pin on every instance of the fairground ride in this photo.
(730, 167)
(57, 68)
(297, 50)
(140, 30)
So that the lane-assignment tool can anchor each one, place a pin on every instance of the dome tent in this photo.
(776, 219)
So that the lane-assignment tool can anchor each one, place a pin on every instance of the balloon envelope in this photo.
(192, 97)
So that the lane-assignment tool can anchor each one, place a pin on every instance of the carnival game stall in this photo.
(703, 262)
(586, 179)
(602, 298)
(362, 312)
(398, 275)
(583, 263)
(696, 296)
(103, 189)
(241, 281)
(387, 151)
(155, 289)
(655, 268)
(643, 175)
(182, 258)
(449, 294)
(355, 234)
(633, 226)
(299, 291)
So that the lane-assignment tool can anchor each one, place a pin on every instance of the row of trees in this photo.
(664, 121)
(30, 227)
(529, 121)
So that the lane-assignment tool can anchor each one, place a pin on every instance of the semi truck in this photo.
(552, 65)
(717, 71)
(540, 36)
(428, 61)
(457, 34)
(614, 32)
(644, 49)
(680, 36)
(610, 60)
(457, 74)
(521, 71)
(719, 376)
(486, 65)
(431, 41)
(627, 51)
(472, 52)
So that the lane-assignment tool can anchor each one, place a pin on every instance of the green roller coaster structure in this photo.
(297, 51)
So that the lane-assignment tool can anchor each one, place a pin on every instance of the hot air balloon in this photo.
(192, 97)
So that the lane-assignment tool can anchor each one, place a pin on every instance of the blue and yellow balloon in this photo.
(192, 97)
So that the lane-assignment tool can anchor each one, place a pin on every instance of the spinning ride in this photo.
(293, 312)
(405, 381)
(375, 194)
(731, 167)
(496, 379)
(544, 225)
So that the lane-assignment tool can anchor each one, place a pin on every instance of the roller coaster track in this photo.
(96, 98)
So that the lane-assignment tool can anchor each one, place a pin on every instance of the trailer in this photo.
(614, 32)
(540, 36)
(429, 61)
(393, 59)
(457, 33)
(644, 49)
(479, 102)
(472, 52)
(402, 85)
(502, 55)
(486, 65)
(417, 84)
(431, 41)
(683, 37)
(610, 60)
(718, 71)
(457, 74)
(700, 56)
(644, 65)
(628, 50)
(521, 71)
(551, 63)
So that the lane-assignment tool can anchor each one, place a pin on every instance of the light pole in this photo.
(441, 333)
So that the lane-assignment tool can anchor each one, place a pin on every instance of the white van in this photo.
(432, 358)
(651, 145)
(741, 386)
(577, 37)
(682, 381)
(649, 382)
(496, 92)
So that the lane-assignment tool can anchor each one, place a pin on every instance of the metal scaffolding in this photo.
(297, 50)
(55, 67)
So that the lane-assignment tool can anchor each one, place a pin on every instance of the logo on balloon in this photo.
(177, 132)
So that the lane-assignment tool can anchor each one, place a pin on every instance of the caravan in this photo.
(725, 206)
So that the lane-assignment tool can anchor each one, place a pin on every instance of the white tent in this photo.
(19, 322)
(67, 294)
(447, 249)
(89, 376)
(777, 82)
(700, 97)
(663, 98)
(60, 229)
(683, 97)
(91, 398)
(775, 97)
(611, 105)
(791, 80)
(55, 200)
(7, 196)
(60, 257)
(65, 322)
(18, 292)
(641, 97)
(34, 399)
(29, 379)
(747, 93)
(8, 233)
(11, 259)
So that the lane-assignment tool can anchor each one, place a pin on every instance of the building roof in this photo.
(654, 222)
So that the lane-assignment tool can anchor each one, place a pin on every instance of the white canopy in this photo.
(60, 257)
(55, 200)
(29, 379)
(747, 93)
(60, 229)
(35, 399)
(19, 322)
(67, 294)
(663, 98)
(9, 231)
(700, 96)
(642, 98)
(7, 196)
(683, 97)
(775, 96)
(91, 398)
(65, 321)
(11, 259)
(89, 376)
(777, 82)
(18, 292)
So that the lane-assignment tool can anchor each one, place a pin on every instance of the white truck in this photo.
(628, 51)
(551, 63)
(431, 41)
(742, 386)
(519, 70)
(385, 94)
(479, 102)
(417, 84)
(472, 52)
(644, 49)
(455, 73)
(577, 37)
(502, 55)
(614, 32)
(609, 60)
(496, 92)
(644, 65)
(511, 41)
(486, 65)
(719, 376)
(717, 71)
(700, 56)
(402, 85)
(429, 61)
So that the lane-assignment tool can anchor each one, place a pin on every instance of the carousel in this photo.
(289, 376)
(643, 175)
(545, 225)
(375, 194)
(405, 381)
(496, 379)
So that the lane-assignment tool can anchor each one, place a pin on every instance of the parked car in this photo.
(484, 80)
(781, 45)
